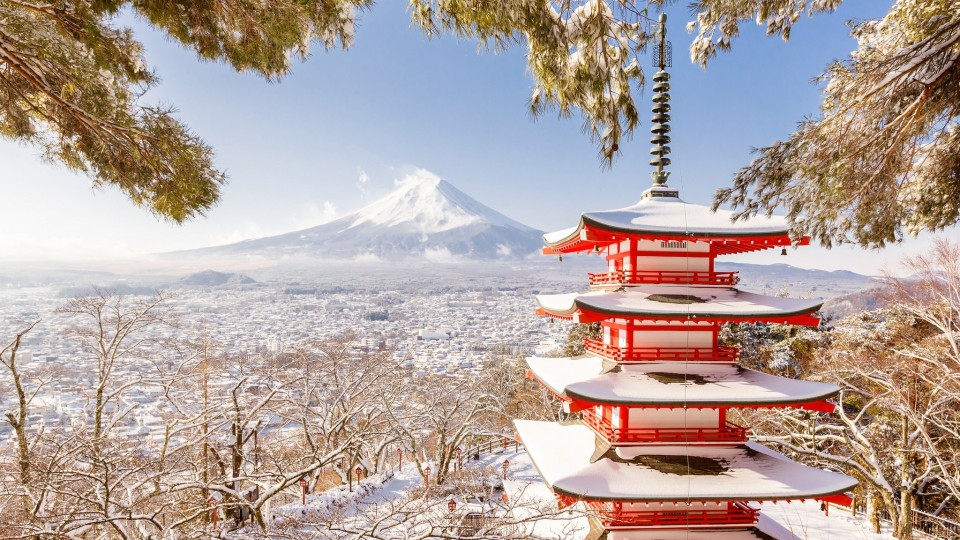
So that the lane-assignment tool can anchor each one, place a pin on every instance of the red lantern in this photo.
(452, 505)
(506, 465)
(303, 490)
(359, 470)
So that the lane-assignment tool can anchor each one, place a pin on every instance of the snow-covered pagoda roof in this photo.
(661, 302)
(749, 472)
(653, 384)
(766, 529)
(662, 215)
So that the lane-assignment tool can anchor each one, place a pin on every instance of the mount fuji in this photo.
(424, 217)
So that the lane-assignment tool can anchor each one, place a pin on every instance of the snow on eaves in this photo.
(707, 384)
(749, 472)
(712, 302)
(674, 217)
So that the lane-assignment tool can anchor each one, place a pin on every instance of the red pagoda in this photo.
(647, 444)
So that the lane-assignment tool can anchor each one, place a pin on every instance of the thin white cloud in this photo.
(362, 179)
(418, 174)
(312, 214)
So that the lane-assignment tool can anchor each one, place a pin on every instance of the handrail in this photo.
(658, 354)
(664, 276)
(728, 433)
(734, 513)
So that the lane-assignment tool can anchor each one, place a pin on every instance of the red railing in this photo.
(659, 354)
(669, 277)
(735, 513)
(729, 433)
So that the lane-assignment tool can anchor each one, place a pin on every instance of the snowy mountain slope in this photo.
(424, 217)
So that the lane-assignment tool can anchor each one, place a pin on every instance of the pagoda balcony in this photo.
(728, 434)
(660, 354)
(637, 277)
(735, 513)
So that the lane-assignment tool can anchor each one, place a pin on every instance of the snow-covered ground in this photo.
(804, 520)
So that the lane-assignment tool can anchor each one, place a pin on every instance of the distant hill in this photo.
(212, 278)
(849, 304)
(772, 278)
(423, 218)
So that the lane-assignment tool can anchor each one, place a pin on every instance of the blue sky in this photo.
(343, 126)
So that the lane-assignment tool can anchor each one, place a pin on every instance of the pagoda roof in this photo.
(766, 529)
(662, 302)
(684, 384)
(665, 216)
(565, 458)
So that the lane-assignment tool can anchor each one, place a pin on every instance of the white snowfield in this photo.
(673, 217)
(431, 203)
(701, 384)
(714, 302)
(749, 472)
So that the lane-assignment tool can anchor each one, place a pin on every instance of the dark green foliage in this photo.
(579, 332)
(71, 81)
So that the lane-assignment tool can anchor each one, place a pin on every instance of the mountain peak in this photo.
(430, 204)
(423, 217)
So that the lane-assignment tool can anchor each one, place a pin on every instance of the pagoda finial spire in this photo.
(661, 106)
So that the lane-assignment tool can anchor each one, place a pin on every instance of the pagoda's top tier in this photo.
(662, 215)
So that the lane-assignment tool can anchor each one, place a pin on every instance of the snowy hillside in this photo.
(394, 505)
(424, 217)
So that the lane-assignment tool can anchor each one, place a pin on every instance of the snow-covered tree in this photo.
(897, 425)
(71, 79)
(775, 348)
(882, 157)
(880, 160)
(438, 414)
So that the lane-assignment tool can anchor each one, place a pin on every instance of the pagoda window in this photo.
(607, 340)
(673, 339)
(673, 264)
(674, 418)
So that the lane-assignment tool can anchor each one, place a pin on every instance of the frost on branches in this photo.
(883, 157)
(71, 81)
(897, 426)
(582, 54)
(239, 436)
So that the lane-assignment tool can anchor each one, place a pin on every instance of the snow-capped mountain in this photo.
(424, 217)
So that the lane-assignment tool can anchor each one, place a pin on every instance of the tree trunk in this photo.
(873, 511)
(904, 526)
